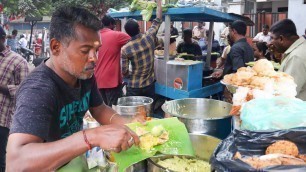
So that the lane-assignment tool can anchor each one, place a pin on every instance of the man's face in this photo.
(265, 31)
(78, 58)
(231, 34)
(277, 42)
(200, 24)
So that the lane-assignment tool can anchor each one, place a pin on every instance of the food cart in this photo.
(185, 79)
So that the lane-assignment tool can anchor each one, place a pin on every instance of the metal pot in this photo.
(138, 167)
(132, 105)
(204, 116)
(203, 145)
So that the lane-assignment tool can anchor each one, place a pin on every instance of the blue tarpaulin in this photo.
(203, 14)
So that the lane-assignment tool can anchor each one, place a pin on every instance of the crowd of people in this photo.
(41, 122)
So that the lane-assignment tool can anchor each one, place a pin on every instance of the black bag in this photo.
(250, 143)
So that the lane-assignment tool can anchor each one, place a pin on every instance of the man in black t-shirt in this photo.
(189, 46)
(52, 101)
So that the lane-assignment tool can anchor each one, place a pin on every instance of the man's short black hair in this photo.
(239, 26)
(284, 27)
(131, 27)
(108, 20)
(265, 26)
(65, 19)
(187, 32)
(14, 32)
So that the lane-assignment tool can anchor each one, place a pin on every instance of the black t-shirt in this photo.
(241, 53)
(192, 48)
(49, 108)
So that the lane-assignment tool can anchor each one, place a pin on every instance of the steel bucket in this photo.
(206, 116)
(132, 105)
(203, 145)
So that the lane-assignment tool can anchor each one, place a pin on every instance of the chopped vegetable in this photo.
(185, 165)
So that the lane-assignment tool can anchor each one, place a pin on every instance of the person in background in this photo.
(241, 52)
(38, 45)
(199, 31)
(263, 36)
(173, 30)
(227, 49)
(23, 43)
(139, 51)
(108, 63)
(215, 44)
(223, 37)
(261, 51)
(12, 40)
(286, 40)
(188, 45)
(14, 69)
(52, 101)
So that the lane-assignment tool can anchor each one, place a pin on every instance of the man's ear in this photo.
(55, 47)
(281, 38)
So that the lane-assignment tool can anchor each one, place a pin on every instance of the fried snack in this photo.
(228, 78)
(237, 155)
(283, 147)
(243, 76)
(263, 67)
(302, 157)
(260, 82)
(291, 161)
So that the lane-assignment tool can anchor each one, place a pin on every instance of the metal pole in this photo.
(209, 46)
(167, 37)
(166, 46)
(32, 25)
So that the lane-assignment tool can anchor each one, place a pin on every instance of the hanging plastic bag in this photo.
(249, 143)
(273, 114)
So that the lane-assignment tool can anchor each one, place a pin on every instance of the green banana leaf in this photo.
(78, 164)
(178, 144)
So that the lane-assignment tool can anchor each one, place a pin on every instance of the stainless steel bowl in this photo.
(203, 145)
(130, 106)
(231, 88)
(138, 167)
(201, 115)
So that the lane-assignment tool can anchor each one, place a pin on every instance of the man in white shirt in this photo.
(263, 36)
(199, 31)
(23, 41)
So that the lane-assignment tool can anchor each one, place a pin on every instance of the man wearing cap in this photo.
(13, 69)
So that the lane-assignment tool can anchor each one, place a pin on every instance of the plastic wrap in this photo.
(250, 143)
(273, 114)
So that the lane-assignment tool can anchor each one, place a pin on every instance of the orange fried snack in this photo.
(283, 147)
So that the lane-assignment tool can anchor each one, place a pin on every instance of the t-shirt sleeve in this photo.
(95, 96)
(34, 109)
(123, 38)
(296, 68)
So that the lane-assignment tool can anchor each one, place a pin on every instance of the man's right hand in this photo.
(112, 137)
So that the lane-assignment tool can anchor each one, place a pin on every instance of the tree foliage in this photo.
(46, 7)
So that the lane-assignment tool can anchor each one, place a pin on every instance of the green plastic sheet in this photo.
(178, 144)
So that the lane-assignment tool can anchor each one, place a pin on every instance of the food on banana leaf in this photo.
(148, 139)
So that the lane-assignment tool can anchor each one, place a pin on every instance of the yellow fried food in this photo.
(283, 147)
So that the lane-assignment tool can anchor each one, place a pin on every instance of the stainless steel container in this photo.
(201, 115)
(132, 105)
(138, 167)
(203, 145)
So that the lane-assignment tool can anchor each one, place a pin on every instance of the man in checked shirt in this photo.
(13, 69)
(140, 52)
